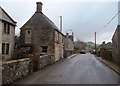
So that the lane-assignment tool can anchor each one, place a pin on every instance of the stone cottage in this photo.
(116, 45)
(7, 30)
(41, 35)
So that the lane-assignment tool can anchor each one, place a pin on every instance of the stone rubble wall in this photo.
(14, 69)
(46, 60)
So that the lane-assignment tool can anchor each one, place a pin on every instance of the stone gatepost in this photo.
(36, 61)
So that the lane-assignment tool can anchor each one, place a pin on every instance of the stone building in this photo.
(105, 51)
(41, 35)
(7, 30)
(116, 45)
(69, 44)
(116, 40)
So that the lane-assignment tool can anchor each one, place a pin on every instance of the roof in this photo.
(39, 20)
(5, 17)
(116, 31)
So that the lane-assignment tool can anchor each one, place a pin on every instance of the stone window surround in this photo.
(28, 31)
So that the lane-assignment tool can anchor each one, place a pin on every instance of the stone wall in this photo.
(106, 54)
(15, 69)
(116, 44)
(46, 60)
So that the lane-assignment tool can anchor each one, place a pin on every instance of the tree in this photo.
(79, 45)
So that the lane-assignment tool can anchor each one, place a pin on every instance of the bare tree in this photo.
(79, 45)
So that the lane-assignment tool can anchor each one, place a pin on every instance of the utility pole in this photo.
(95, 43)
(61, 23)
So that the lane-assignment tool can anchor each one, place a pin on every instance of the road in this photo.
(81, 69)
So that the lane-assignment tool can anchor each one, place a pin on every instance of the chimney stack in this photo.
(39, 7)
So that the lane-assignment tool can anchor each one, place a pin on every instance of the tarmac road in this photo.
(81, 69)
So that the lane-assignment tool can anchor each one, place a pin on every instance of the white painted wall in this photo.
(58, 46)
(9, 38)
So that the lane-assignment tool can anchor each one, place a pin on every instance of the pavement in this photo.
(109, 64)
(82, 69)
(72, 56)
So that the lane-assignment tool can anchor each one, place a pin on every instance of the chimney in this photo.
(39, 7)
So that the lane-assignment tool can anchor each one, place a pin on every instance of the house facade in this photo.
(41, 35)
(116, 45)
(7, 27)
(69, 44)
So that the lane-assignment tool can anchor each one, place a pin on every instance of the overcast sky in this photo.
(84, 17)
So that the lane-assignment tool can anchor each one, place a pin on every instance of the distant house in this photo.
(41, 35)
(69, 44)
(116, 45)
(7, 32)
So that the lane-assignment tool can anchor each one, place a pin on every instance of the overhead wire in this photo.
(109, 22)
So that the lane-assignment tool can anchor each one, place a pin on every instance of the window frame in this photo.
(6, 28)
(5, 48)
(44, 49)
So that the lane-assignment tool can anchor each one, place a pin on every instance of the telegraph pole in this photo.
(61, 23)
(95, 43)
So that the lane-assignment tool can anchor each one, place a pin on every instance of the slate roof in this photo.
(39, 20)
(5, 17)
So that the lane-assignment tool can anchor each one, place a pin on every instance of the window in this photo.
(5, 48)
(6, 28)
(44, 49)
(28, 32)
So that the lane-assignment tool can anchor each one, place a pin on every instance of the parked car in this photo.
(82, 52)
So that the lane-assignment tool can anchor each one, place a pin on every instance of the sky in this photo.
(82, 17)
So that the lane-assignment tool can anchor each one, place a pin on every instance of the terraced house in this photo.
(7, 32)
(41, 35)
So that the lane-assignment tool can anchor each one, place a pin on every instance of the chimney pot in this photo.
(39, 7)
